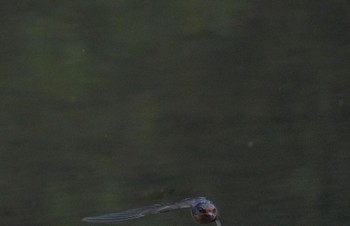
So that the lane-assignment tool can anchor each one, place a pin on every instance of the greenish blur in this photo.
(107, 105)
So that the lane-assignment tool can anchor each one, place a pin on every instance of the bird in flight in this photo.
(203, 211)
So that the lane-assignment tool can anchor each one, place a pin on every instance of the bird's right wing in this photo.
(218, 222)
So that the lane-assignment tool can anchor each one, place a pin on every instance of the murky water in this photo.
(107, 105)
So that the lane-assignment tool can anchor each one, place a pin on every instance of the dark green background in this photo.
(107, 105)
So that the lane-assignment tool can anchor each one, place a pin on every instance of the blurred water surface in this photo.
(107, 105)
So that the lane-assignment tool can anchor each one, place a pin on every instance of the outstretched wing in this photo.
(143, 211)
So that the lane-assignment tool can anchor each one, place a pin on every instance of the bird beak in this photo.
(211, 214)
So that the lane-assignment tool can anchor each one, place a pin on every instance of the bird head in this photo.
(204, 212)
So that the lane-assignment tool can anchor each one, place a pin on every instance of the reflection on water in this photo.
(108, 105)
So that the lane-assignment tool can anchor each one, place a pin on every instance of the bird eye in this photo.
(201, 210)
(214, 210)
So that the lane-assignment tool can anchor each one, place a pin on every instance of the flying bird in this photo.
(203, 212)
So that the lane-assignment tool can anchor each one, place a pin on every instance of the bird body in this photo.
(202, 210)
